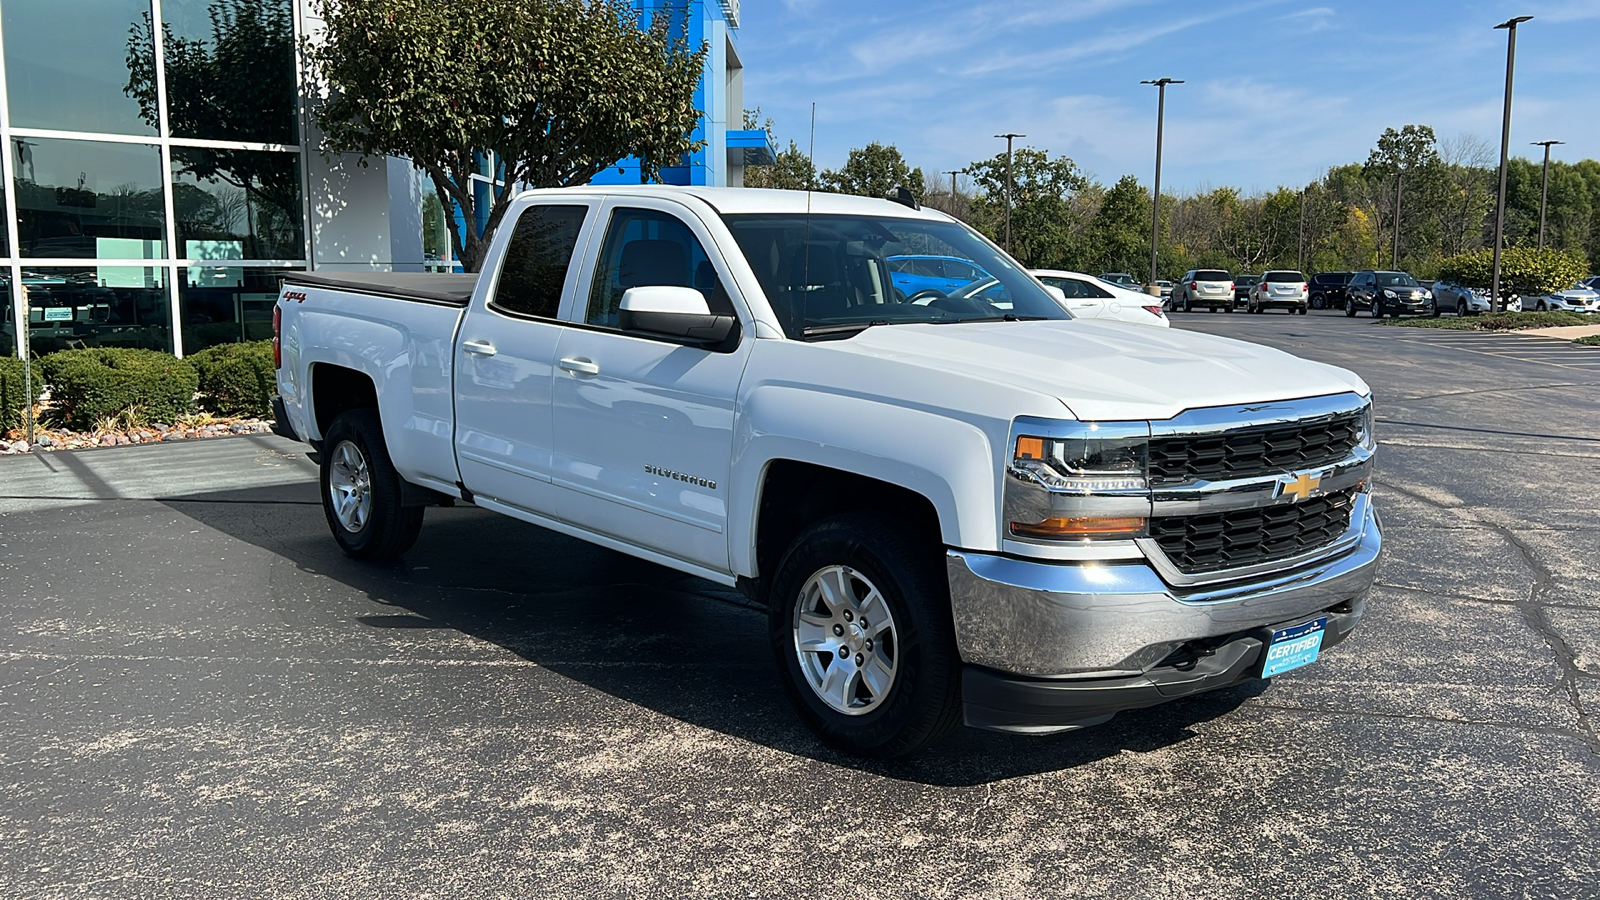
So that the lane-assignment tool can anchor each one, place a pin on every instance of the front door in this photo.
(644, 424)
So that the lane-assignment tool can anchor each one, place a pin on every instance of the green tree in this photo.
(1523, 270)
(1404, 160)
(874, 171)
(542, 93)
(1046, 223)
(792, 171)
(1116, 239)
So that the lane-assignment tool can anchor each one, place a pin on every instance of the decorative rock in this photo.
(44, 441)
(163, 429)
(19, 447)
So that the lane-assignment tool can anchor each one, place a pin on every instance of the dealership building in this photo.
(162, 172)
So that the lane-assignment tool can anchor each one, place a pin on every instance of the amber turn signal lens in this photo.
(1030, 448)
(1060, 528)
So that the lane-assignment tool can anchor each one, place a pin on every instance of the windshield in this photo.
(1396, 279)
(834, 274)
(1285, 278)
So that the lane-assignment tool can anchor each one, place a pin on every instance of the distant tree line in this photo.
(1438, 197)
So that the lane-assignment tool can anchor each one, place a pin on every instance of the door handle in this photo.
(479, 348)
(579, 366)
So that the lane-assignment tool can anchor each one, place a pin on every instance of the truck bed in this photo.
(450, 289)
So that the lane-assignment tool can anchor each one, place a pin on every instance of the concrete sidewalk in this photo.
(1569, 332)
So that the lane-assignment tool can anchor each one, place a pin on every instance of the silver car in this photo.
(1574, 299)
(1449, 296)
(1211, 288)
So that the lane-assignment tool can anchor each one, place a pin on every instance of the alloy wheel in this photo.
(350, 486)
(845, 639)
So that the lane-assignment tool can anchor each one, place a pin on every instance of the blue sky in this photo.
(1277, 90)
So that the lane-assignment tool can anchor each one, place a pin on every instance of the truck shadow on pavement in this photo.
(668, 642)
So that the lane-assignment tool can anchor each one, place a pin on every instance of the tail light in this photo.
(1306, 288)
(277, 336)
(1154, 311)
(1194, 285)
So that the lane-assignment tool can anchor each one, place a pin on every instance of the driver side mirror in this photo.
(680, 312)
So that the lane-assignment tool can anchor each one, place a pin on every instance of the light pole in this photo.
(1544, 187)
(1155, 198)
(1399, 180)
(953, 173)
(1505, 139)
(1009, 136)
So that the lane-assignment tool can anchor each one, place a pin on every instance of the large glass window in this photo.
(230, 70)
(80, 66)
(237, 204)
(88, 199)
(536, 262)
(226, 304)
(646, 247)
(8, 329)
(103, 306)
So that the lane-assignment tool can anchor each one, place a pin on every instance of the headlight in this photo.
(1427, 295)
(1091, 482)
(1389, 294)
(1365, 437)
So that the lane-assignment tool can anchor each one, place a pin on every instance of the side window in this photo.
(646, 248)
(536, 261)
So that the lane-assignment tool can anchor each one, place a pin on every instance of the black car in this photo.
(1241, 288)
(1327, 289)
(1391, 293)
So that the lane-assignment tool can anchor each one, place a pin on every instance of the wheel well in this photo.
(336, 389)
(796, 494)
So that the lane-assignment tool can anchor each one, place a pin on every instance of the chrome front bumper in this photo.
(1117, 618)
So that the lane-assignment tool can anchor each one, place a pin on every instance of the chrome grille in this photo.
(1243, 537)
(1253, 451)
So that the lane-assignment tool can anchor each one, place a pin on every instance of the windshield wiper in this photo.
(1008, 317)
(848, 327)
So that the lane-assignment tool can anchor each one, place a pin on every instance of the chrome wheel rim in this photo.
(845, 640)
(350, 486)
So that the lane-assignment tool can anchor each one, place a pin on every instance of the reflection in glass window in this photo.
(230, 69)
(237, 204)
(104, 306)
(67, 65)
(226, 304)
(88, 199)
(8, 331)
(646, 247)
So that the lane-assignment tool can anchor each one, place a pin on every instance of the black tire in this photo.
(389, 529)
(1461, 309)
(1187, 307)
(1318, 301)
(1303, 311)
(1350, 308)
(1436, 309)
(1377, 308)
(923, 700)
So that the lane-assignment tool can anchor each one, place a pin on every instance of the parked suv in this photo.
(1241, 288)
(915, 276)
(1210, 288)
(1283, 289)
(1121, 279)
(1387, 292)
(1327, 289)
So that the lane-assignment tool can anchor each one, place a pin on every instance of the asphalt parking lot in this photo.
(202, 697)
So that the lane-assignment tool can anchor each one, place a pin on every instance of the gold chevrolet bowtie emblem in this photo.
(1301, 486)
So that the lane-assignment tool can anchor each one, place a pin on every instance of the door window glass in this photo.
(536, 260)
(642, 248)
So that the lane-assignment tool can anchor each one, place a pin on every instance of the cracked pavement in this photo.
(202, 697)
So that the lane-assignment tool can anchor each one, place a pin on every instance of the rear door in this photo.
(644, 424)
(505, 356)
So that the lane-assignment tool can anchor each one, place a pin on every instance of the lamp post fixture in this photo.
(1510, 25)
(1009, 136)
(1155, 195)
(1544, 187)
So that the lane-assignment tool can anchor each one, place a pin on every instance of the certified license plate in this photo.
(1291, 648)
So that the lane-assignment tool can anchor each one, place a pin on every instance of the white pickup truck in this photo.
(956, 509)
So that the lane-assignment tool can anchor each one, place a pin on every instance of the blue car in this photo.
(913, 275)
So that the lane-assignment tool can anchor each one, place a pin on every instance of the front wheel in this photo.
(361, 490)
(1318, 301)
(859, 624)
(1461, 309)
(1377, 308)
(1350, 308)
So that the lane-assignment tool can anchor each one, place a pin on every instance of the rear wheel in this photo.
(1186, 305)
(361, 490)
(1318, 301)
(859, 624)
(1303, 310)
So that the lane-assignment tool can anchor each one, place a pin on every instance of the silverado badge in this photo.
(1302, 486)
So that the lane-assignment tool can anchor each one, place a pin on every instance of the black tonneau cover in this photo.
(448, 288)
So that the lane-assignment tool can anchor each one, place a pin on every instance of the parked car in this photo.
(1460, 299)
(952, 513)
(1284, 289)
(1592, 282)
(1241, 288)
(1121, 279)
(1092, 298)
(1211, 288)
(1577, 298)
(1394, 293)
(914, 275)
(1166, 288)
(1327, 289)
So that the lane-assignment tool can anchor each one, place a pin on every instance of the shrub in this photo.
(1523, 270)
(11, 383)
(99, 382)
(236, 379)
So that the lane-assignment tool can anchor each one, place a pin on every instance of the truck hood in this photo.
(1107, 371)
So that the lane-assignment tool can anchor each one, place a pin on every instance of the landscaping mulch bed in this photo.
(192, 428)
(1508, 321)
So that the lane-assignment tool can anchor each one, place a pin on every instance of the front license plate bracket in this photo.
(1293, 647)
